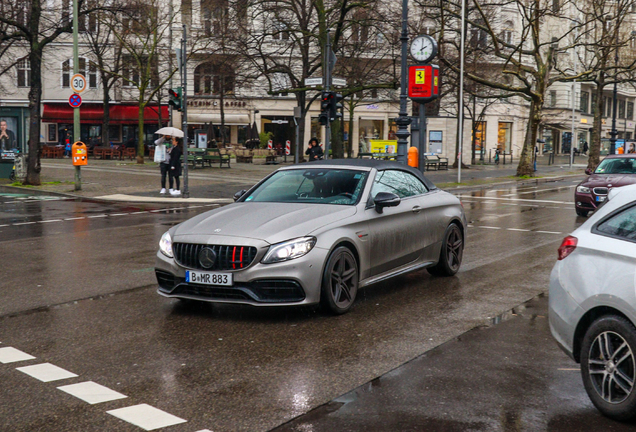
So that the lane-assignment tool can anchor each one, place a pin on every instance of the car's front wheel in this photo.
(450, 257)
(608, 366)
(582, 213)
(339, 281)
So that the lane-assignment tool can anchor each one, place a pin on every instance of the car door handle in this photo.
(416, 209)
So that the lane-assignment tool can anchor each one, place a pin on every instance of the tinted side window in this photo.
(401, 183)
(622, 224)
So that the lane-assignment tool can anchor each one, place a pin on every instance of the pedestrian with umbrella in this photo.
(169, 158)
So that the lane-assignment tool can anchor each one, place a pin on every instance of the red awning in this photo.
(94, 113)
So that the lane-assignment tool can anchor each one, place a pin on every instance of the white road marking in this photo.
(139, 212)
(555, 189)
(515, 199)
(490, 227)
(23, 223)
(75, 218)
(11, 355)
(52, 220)
(549, 232)
(47, 372)
(92, 393)
(117, 214)
(5, 225)
(146, 417)
(97, 216)
(518, 229)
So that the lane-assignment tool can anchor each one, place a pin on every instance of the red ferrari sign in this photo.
(423, 83)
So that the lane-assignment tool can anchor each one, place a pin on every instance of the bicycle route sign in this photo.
(75, 100)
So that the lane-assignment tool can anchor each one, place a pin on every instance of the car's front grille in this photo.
(166, 280)
(227, 257)
(600, 190)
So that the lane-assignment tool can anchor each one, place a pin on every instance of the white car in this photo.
(593, 303)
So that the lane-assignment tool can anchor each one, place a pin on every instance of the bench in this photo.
(434, 162)
(365, 155)
(213, 155)
(271, 158)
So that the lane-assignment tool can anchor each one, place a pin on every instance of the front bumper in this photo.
(588, 201)
(295, 282)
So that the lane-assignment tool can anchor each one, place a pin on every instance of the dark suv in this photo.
(613, 171)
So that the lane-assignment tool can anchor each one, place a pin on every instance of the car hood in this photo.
(603, 180)
(270, 222)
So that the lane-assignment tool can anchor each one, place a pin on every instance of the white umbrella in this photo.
(172, 131)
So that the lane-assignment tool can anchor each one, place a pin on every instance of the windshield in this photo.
(617, 166)
(312, 185)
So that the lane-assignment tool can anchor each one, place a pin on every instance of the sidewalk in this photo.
(126, 181)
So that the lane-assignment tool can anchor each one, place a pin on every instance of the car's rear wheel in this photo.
(608, 366)
(582, 213)
(339, 281)
(450, 257)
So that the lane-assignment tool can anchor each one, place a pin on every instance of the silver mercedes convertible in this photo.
(314, 233)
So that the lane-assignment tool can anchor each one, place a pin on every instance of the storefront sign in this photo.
(383, 146)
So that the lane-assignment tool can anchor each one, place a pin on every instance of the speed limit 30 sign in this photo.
(78, 83)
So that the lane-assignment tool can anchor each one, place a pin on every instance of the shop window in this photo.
(369, 130)
(315, 129)
(113, 133)
(504, 139)
(90, 74)
(8, 133)
(480, 135)
(210, 78)
(24, 72)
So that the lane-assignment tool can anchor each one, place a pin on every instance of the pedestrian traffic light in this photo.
(325, 104)
(175, 98)
(335, 106)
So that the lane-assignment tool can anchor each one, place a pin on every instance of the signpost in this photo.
(340, 82)
(312, 82)
(75, 100)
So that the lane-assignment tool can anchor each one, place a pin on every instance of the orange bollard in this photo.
(413, 157)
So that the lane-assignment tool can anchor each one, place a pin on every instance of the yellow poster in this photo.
(420, 77)
(383, 146)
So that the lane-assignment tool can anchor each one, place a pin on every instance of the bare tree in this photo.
(36, 24)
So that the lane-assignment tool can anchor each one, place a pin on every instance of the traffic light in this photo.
(176, 98)
(335, 106)
(325, 105)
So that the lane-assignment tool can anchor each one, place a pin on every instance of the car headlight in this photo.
(289, 250)
(165, 245)
(582, 189)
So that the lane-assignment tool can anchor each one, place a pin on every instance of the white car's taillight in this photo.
(567, 246)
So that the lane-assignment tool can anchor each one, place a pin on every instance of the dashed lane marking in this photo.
(92, 393)
(47, 372)
(52, 220)
(549, 232)
(11, 355)
(490, 227)
(514, 199)
(24, 223)
(146, 417)
(515, 229)
(75, 218)
(518, 229)
(97, 216)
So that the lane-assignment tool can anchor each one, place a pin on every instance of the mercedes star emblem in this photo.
(207, 257)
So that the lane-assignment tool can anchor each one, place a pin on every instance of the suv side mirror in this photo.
(385, 199)
(239, 194)
(588, 171)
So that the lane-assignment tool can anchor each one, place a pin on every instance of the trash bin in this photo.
(6, 164)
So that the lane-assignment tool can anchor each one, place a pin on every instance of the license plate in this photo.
(207, 278)
(600, 198)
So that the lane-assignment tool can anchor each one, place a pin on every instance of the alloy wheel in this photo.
(343, 280)
(612, 369)
(454, 248)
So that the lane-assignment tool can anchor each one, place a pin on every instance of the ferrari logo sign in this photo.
(420, 77)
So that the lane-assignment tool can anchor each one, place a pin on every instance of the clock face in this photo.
(423, 48)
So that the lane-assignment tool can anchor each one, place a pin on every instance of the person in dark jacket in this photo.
(175, 166)
(314, 151)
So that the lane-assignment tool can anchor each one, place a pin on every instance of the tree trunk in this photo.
(35, 96)
(222, 104)
(595, 145)
(526, 166)
(336, 140)
(140, 136)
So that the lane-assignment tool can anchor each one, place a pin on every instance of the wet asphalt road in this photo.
(78, 292)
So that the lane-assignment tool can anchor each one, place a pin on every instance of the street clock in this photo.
(423, 48)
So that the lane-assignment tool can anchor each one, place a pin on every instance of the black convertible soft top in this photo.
(379, 165)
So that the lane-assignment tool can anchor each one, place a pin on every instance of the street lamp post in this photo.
(614, 132)
(403, 121)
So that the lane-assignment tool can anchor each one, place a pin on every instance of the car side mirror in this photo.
(239, 194)
(385, 199)
(588, 171)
